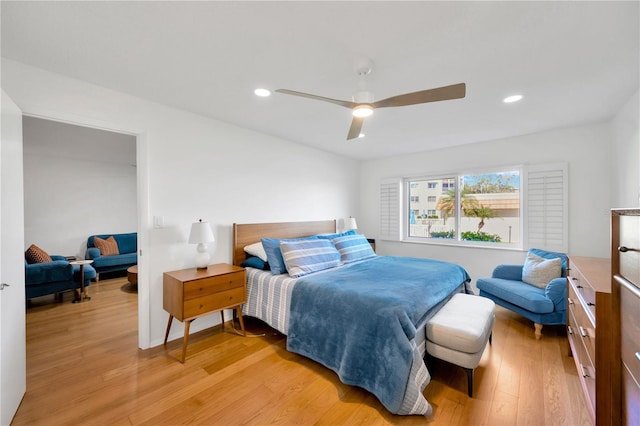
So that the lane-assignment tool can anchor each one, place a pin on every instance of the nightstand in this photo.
(191, 293)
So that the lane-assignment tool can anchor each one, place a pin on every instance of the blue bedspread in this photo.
(360, 321)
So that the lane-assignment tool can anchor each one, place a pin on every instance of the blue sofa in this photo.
(541, 305)
(54, 277)
(127, 246)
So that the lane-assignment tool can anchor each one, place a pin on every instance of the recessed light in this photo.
(512, 99)
(361, 135)
(263, 93)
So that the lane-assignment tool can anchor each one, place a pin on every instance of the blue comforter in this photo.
(360, 321)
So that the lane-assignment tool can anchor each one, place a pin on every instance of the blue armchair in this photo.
(54, 277)
(541, 305)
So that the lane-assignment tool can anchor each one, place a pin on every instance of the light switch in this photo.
(158, 221)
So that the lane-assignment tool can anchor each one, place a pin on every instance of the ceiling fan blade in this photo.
(356, 126)
(346, 104)
(454, 91)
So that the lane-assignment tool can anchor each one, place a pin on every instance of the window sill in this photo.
(463, 244)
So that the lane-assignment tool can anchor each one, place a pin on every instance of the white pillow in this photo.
(256, 249)
(538, 271)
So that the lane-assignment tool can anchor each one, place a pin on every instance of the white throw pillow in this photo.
(538, 271)
(256, 249)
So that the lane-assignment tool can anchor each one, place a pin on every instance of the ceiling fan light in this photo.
(362, 111)
(511, 99)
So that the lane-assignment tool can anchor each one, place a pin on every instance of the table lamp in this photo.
(201, 234)
(350, 223)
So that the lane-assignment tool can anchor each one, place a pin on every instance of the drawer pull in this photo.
(591, 304)
(638, 355)
(583, 332)
(584, 371)
(569, 329)
(570, 300)
(624, 249)
(579, 286)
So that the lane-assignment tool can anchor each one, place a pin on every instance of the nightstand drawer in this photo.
(214, 302)
(211, 285)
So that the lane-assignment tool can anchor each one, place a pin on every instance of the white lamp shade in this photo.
(350, 223)
(201, 233)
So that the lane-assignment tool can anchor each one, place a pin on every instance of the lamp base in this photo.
(202, 257)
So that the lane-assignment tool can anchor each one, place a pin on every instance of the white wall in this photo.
(626, 155)
(586, 149)
(191, 167)
(74, 188)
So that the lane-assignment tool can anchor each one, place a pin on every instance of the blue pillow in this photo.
(255, 262)
(332, 236)
(274, 255)
(353, 247)
(303, 257)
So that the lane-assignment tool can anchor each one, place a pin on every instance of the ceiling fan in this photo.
(363, 105)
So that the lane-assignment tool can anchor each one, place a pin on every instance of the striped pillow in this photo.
(353, 247)
(108, 247)
(306, 256)
(35, 254)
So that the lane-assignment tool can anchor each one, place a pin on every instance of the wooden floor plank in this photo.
(84, 367)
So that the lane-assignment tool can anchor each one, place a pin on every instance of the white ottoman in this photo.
(459, 332)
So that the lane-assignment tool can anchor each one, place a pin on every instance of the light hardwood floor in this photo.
(84, 368)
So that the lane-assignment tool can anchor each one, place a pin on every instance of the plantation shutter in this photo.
(547, 207)
(390, 209)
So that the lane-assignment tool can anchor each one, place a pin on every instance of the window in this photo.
(473, 207)
(524, 206)
(448, 185)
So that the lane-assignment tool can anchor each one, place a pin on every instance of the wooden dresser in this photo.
(625, 258)
(588, 310)
(192, 293)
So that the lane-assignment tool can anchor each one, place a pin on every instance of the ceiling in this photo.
(575, 63)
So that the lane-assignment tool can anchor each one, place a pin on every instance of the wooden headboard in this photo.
(249, 233)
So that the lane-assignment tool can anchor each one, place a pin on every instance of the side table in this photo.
(191, 293)
(83, 290)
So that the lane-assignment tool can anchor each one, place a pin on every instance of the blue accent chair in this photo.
(127, 246)
(540, 305)
(54, 277)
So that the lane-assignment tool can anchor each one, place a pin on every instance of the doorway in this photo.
(78, 181)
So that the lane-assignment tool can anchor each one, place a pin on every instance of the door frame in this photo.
(142, 178)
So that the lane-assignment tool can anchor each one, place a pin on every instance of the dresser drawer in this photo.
(630, 399)
(211, 285)
(630, 238)
(630, 328)
(584, 365)
(583, 287)
(583, 328)
(214, 302)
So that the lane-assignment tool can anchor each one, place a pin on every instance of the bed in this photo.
(363, 319)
